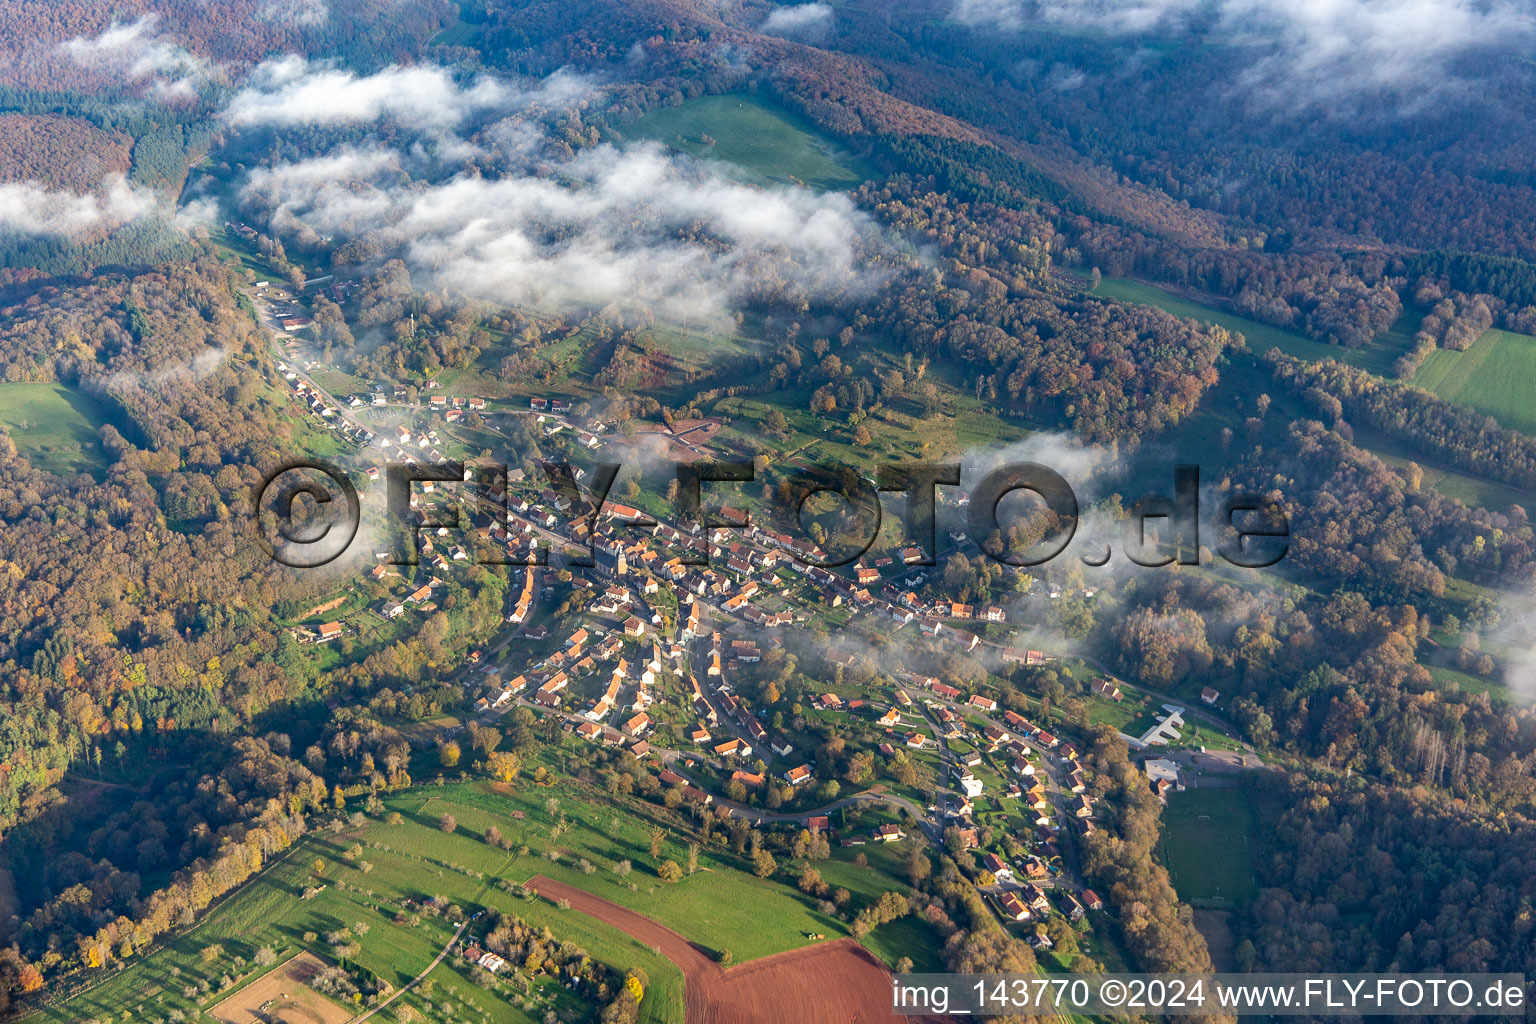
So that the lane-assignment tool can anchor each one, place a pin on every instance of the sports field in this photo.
(53, 426)
(1494, 376)
(766, 143)
(1208, 836)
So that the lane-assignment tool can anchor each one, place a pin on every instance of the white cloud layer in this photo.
(631, 227)
(1318, 47)
(135, 52)
(305, 13)
(801, 19)
(292, 91)
(27, 208)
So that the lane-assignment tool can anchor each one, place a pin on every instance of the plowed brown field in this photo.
(837, 982)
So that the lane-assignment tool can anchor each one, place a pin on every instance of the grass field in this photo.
(960, 423)
(717, 907)
(1472, 490)
(460, 33)
(413, 860)
(1208, 837)
(764, 143)
(1377, 357)
(53, 426)
(1466, 682)
(1115, 715)
(1493, 376)
(1453, 378)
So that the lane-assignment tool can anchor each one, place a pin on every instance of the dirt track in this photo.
(836, 982)
(287, 996)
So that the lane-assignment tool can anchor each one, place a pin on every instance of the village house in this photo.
(1012, 907)
(999, 867)
(1107, 689)
(799, 776)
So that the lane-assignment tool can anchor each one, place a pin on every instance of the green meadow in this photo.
(1501, 365)
(365, 873)
(53, 426)
(1377, 357)
(1497, 376)
(764, 143)
(1472, 490)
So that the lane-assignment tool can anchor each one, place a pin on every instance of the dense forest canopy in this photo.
(455, 193)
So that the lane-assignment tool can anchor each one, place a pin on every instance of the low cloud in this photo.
(291, 91)
(1514, 640)
(1065, 453)
(633, 228)
(137, 54)
(300, 13)
(799, 20)
(1317, 49)
(190, 371)
(202, 212)
(27, 208)
(1085, 467)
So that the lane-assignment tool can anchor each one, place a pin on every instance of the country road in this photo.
(441, 956)
(278, 337)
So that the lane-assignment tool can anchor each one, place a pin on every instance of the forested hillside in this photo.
(235, 236)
